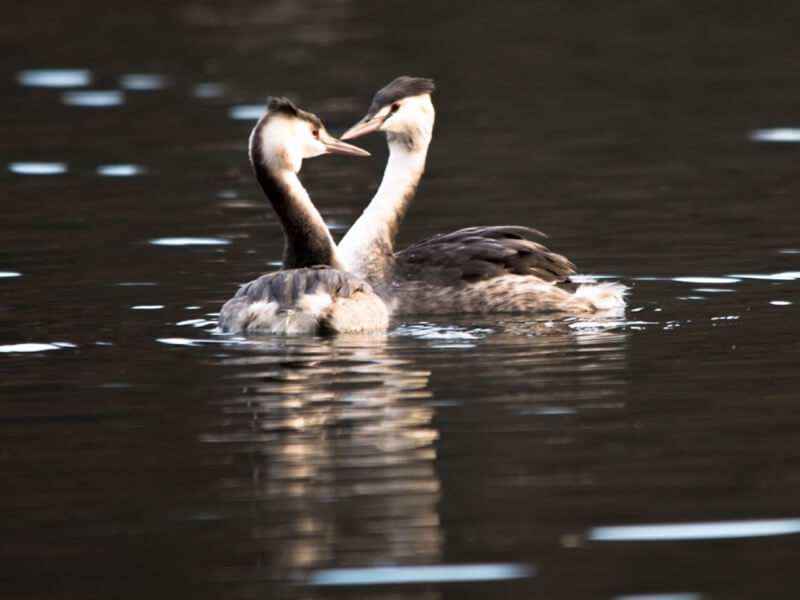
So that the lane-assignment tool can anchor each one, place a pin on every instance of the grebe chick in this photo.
(312, 293)
(490, 269)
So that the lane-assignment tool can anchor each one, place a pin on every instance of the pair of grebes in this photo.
(357, 285)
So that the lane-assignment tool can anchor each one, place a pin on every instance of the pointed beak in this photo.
(366, 125)
(335, 146)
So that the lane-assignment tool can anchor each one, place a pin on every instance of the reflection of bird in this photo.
(312, 294)
(477, 269)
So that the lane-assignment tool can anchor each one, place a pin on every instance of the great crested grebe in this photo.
(311, 293)
(489, 269)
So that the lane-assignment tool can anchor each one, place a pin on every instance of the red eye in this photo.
(395, 107)
(315, 133)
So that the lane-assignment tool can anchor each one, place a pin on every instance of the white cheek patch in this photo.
(284, 142)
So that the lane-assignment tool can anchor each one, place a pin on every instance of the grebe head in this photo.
(285, 135)
(403, 108)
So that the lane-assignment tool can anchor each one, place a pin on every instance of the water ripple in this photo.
(429, 331)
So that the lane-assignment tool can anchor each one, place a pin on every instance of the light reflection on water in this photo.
(339, 437)
(777, 134)
(55, 78)
(419, 574)
(246, 112)
(189, 241)
(38, 168)
(144, 81)
(783, 276)
(208, 90)
(119, 170)
(93, 98)
(695, 531)
(34, 347)
(711, 280)
(669, 596)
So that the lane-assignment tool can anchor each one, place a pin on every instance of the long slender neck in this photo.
(307, 242)
(368, 247)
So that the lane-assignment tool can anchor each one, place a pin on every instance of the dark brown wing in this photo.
(286, 287)
(477, 253)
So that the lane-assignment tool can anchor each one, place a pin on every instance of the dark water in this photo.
(144, 456)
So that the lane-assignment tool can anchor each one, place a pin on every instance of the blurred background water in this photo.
(143, 455)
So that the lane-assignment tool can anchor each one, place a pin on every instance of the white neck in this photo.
(367, 249)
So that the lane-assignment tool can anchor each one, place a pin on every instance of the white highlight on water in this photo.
(420, 574)
(93, 98)
(694, 531)
(208, 90)
(55, 78)
(776, 134)
(673, 596)
(143, 81)
(192, 343)
(247, 112)
(34, 347)
(781, 276)
(189, 241)
(38, 168)
(427, 331)
(706, 280)
(120, 170)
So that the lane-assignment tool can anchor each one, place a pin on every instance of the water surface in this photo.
(145, 455)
